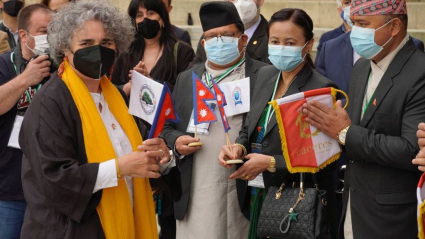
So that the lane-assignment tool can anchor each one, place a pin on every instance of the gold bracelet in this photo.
(244, 150)
(272, 167)
(118, 169)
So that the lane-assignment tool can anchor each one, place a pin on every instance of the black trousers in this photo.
(168, 227)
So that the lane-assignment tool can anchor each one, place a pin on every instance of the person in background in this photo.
(55, 4)
(255, 28)
(20, 80)
(387, 102)
(208, 207)
(181, 34)
(290, 30)
(155, 53)
(86, 166)
(10, 10)
(343, 10)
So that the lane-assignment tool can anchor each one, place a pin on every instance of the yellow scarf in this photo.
(115, 210)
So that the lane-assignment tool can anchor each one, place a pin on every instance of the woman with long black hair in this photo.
(155, 52)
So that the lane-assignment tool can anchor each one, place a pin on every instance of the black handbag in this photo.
(294, 213)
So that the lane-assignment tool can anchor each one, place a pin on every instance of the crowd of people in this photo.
(75, 164)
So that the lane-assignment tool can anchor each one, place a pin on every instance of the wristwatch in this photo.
(343, 134)
(272, 167)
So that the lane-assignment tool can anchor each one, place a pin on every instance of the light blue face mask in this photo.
(286, 58)
(346, 16)
(363, 41)
(222, 50)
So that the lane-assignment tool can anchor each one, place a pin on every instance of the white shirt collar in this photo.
(250, 31)
(386, 61)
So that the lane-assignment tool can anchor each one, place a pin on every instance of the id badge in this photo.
(14, 136)
(258, 182)
(201, 128)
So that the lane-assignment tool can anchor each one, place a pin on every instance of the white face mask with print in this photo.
(41, 45)
(247, 10)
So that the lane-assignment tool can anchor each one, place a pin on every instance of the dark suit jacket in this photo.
(184, 108)
(307, 79)
(328, 36)
(336, 60)
(257, 47)
(380, 176)
(182, 34)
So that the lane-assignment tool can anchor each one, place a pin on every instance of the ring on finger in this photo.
(247, 177)
(162, 152)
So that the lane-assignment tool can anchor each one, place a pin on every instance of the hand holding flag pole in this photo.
(221, 102)
(202, 112)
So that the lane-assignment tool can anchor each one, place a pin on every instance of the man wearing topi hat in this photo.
(387, 102)
(209, 207)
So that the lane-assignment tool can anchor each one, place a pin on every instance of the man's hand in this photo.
(256, 164)
(37, 69)
(329, 121)
(421, 135)
(420, 160)
(182, 145)
(140, 164)
(156, 144)
(226, 153)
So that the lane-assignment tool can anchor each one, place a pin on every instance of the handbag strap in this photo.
(292, 215)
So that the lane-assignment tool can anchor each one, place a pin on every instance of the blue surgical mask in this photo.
(222, 50)
(346, 16)
(286, 58)
(363, 41)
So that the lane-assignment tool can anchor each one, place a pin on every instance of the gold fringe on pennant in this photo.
(285, 145)
(421, 233)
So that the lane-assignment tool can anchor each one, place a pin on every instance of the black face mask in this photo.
(148, 28)
(12, 7)
(94, 61)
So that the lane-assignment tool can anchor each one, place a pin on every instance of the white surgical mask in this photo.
(41, 45)
(247, 10)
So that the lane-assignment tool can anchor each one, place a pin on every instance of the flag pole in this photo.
(195, 144)
(228, 142)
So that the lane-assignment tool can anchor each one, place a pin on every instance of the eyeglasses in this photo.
(225, 38)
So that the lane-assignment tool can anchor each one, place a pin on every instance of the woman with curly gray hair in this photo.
(86, 169)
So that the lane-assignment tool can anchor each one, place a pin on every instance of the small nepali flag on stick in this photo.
(202, 113)
(420, 193)
(165, 112)
(221, 101)
(305, 148)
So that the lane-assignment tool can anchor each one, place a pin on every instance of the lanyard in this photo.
(270, 110)
(224, 75)
(27, 91)
(371, 97)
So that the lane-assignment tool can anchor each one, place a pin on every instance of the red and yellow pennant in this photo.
(305, 148)
(420, 193)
